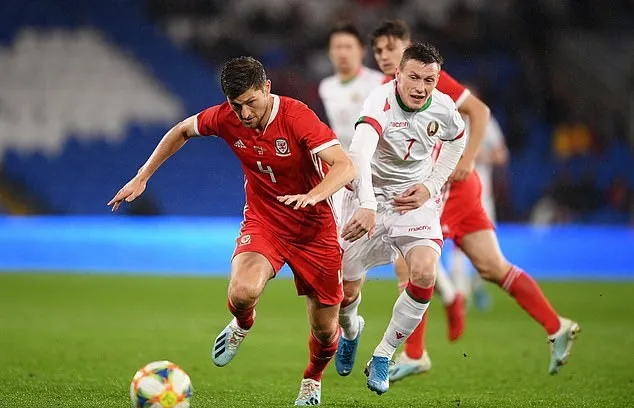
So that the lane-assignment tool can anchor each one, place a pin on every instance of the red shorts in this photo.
(463, 213)
(316, 265)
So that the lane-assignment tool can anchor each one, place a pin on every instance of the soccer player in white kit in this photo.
(397, 200)
(343, 93)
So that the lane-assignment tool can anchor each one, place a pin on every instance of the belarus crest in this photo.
(281, 147)
(432, 128)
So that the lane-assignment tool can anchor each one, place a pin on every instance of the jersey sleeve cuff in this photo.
(324, 146)
(196, 126)
(370, 205)
(372, 122)
(455, 138)
(463, 97)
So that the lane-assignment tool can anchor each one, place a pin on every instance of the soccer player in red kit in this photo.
(464, 220)
(285, 152)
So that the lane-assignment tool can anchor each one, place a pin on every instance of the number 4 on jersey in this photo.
(268, 170)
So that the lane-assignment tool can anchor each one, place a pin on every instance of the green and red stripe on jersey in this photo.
(372, 122)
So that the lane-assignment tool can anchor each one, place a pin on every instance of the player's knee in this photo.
(243, 294)
(422, 271)
(350, 292)
(325, 333)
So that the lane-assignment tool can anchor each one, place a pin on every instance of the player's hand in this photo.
(300, 200)
(363, 221)
(411, 199)
(129, 192)
(462, 170)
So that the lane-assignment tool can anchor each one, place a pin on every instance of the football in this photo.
(161, 384)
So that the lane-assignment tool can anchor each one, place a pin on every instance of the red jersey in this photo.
(281, 160)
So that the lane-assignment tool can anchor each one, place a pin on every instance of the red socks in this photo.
(244, 316)
(531, 298)
(320, 356)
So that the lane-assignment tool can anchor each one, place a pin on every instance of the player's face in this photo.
(253, 107)
(388, 52)
(416, 81)
(345, 52)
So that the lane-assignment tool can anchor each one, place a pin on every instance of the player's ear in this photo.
(267, 87)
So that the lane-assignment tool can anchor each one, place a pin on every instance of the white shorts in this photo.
(394, 232)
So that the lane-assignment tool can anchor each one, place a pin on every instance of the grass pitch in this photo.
(76, 341)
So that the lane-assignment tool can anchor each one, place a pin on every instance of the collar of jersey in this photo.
(356, 75)
(274, 109)
(405, 107)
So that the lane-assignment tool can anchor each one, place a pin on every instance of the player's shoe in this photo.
(227, 343)
(561, 343)
(309, 393)
(347, 351)
(456, 317)
(377, 372)
(406, 366)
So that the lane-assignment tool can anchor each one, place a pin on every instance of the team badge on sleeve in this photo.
(281, 147)
(432, 128)
(245, 239)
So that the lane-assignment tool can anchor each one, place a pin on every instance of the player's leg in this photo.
(358, 258)
(256, 259)
(322, 345)
(249, 273)
(317, 270)
(483, 250)
(421, 257)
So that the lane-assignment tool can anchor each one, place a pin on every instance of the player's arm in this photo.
(362, 148)
(171, 142)
(341, 172)
(478, 113)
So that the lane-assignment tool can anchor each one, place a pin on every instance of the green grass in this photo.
(76, 341)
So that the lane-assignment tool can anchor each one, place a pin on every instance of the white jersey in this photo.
(403, 156)
(493, 140)
(343, 101)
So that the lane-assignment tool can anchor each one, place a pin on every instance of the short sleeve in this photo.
(207, 122)
(311, 131)
(455, 127)
(374, 111)
(454, 89)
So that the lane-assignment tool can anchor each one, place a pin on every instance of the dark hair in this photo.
(423, 52)
(346, 27)
(391, 28)
(241, 74)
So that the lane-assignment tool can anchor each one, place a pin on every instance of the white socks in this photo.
(349, 319)
(406, 315)
(444, 286)
(460, 272)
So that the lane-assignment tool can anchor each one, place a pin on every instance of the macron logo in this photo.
(401, 124)
(399, 335)
(239, 144)
(420, 228)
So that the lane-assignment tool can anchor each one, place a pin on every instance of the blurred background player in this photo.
(343, 93)
(287, 219)
(397, 201)
(492, 153)
(389, 40)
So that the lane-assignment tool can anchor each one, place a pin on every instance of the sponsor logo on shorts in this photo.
(400, 124)
(281, 147)
(245, 239)
(419, 228)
